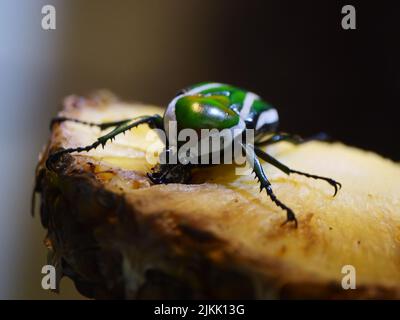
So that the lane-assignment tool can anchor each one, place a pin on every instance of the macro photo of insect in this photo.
(218, 152)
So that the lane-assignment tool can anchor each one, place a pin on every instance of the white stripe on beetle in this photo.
(247, 103)
(202, 88)
(267, 117)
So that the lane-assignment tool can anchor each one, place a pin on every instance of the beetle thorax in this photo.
(216, 106)
(194, 110)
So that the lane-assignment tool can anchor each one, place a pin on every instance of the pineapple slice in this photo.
(118, 236)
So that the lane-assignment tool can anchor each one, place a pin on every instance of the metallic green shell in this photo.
(215, 105)
(200, 112)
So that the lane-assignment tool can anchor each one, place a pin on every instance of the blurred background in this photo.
(294, 54)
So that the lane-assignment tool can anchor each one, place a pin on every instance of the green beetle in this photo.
(210, 106)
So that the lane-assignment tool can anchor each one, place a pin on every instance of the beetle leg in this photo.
(271, 160)
(102, 126)
(295, 139)
(125, 125)
(278, 137)
(265, 184)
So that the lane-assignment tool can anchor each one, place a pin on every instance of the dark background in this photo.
(293, 53)
(320, 76)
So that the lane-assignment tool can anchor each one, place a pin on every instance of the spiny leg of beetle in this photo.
(281, 136)
(265, 184)
(102, 126)
(336, 185)
(295, 139)
(276, 163)
(153, 121)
